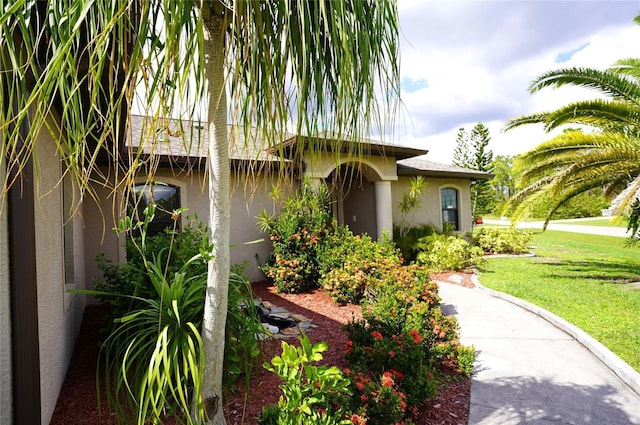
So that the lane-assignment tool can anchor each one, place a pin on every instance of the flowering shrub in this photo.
(502, 241)
(377, 399)
(404, 336)
(297, 235)
(351, 264)
(403, 354)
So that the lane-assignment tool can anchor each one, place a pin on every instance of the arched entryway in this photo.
(354, 194)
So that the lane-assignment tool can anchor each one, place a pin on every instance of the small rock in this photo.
(267, 304)
(299, 317)
(271, 328)
(280, 315)
(276, 310)
(456, 278)
(290, 331)
(304, 325)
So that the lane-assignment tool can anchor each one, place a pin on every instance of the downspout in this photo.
(23, 286)
(6, 398)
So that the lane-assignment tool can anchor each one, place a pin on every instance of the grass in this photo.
(581, 278)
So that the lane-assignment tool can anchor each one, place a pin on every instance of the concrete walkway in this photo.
(529, 371)
(575, 228)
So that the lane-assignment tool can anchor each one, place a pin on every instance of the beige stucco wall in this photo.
(6, 398)
(430, 211)
(59, 314)
(321, 164)
(246, 203)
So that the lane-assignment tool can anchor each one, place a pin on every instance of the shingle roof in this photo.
(329, 142)
(417, 166)
(183, 140)
(187, 139)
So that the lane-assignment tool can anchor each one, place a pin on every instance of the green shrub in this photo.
(441, 252)
(586, 204)
(164, 282)
(502, 241)
(406, 239)
(172, 248)
(378, 400)
(242, 348)
(401, 327)
(297, 234)
(351, 263)
(311, 394)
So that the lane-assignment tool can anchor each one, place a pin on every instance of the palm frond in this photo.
(608, 83)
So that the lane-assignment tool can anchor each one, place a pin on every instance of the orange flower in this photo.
(387, 380)
(417, 338)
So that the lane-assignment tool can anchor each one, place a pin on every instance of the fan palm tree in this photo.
(307, 65)
(605, 153)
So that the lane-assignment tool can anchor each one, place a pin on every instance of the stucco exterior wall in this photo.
(430, 211)
(59, 314)
(6, 399)
(246, 204)
(99, 237)
(321, 164)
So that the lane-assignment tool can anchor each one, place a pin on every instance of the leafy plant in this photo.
(296, 236)
(350, 264)
(441, 252)
(378, 399)
(242, 348)
(407, 239)
(172, 248)
(310, 394)
(411, 201)
(154, 354)
(496, 240)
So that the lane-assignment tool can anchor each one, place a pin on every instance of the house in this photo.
(367, 180)
(45, 250)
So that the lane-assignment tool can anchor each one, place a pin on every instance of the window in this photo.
(449, 200)
(166, 198)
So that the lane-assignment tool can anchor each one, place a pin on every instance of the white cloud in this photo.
(477, 59)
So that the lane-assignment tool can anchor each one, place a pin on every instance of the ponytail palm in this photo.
(73, 67)
(605, 154)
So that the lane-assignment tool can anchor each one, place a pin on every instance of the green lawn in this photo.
(581, 278)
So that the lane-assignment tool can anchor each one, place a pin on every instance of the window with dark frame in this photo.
(166, 197)
(449, 200)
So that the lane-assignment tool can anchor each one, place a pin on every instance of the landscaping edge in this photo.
(626, 373)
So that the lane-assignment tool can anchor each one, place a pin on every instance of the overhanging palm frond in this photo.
(615, 85)
(596, 113)
(311, 76)
(526, 119)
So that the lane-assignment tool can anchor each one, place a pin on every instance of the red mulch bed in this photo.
(77, 403)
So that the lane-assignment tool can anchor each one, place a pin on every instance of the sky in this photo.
(464, 62)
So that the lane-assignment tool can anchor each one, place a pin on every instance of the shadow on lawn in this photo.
(611, 272)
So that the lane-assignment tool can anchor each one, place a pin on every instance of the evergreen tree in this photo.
(503, 181)
(472, 152)
(481, 191)
(462, 151)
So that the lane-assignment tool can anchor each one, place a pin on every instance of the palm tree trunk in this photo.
(215, 309)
